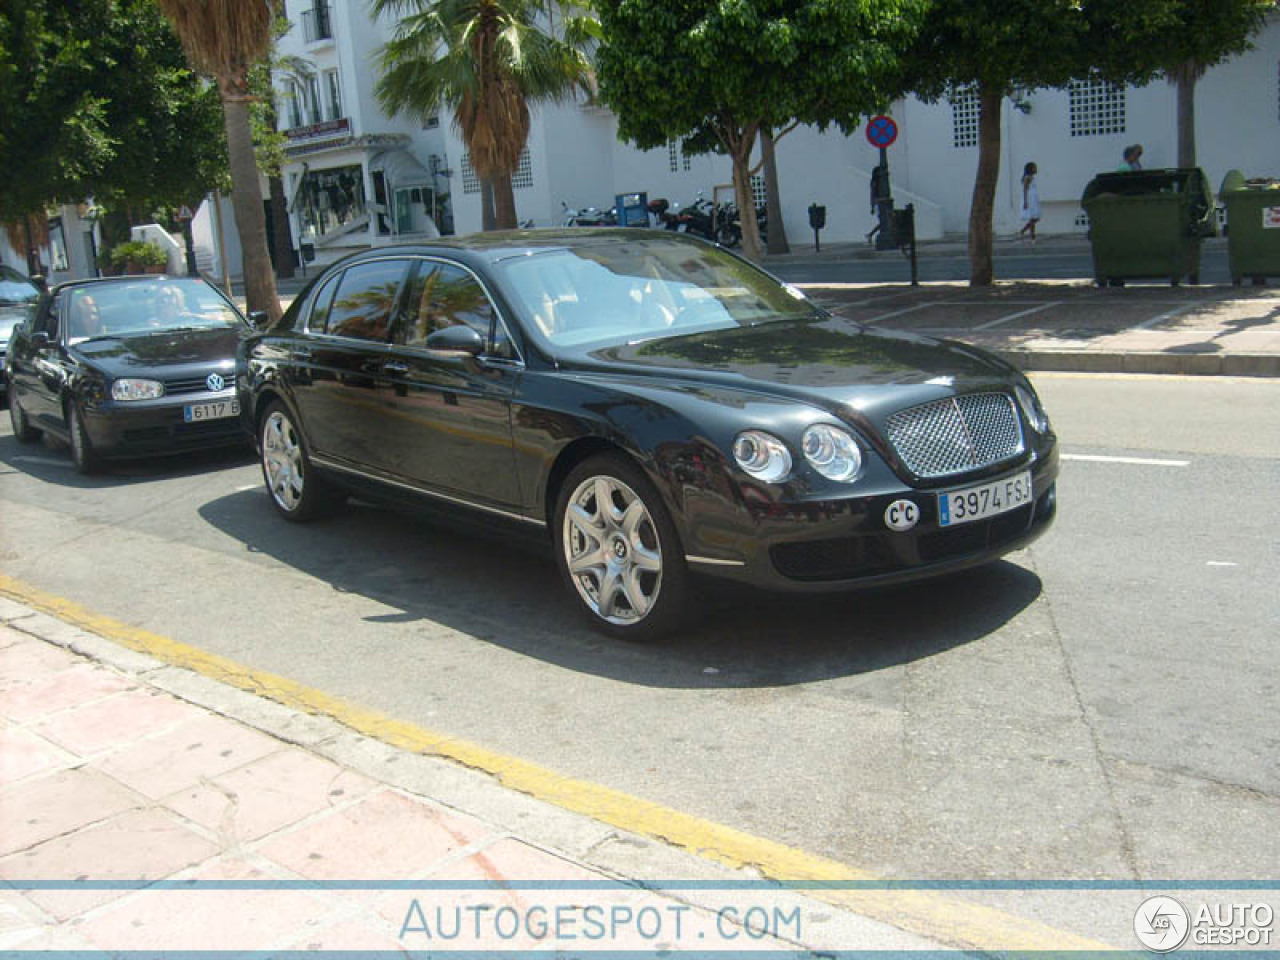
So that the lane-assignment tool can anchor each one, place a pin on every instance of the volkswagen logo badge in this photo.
(215, 382)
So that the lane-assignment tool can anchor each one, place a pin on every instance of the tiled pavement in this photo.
(105, 777)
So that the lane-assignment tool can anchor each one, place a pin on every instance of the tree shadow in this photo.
(502, 587)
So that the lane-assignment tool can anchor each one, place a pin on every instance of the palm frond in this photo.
(222, 38)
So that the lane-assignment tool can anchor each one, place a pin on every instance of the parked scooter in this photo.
(588, 217)
(661, 216)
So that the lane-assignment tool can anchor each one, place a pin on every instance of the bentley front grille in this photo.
(958, 435)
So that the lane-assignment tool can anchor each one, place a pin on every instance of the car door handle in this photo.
(395, 366)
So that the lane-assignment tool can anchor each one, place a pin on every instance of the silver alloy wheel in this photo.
(282, 460)
(612, 550)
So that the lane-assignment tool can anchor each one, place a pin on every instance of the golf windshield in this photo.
(145, 306)
(620, 291)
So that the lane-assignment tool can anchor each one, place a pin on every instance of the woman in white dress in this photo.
(1030, 202)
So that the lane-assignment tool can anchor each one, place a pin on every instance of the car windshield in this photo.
(145, 306)
(15, 288)
(622, 291)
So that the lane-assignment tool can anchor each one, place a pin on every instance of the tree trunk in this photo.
(246, 200)
(982, 208)
(772, 203)
(282, 234)
(504, 202)
(1185, 80)
(746, 202)
(487, 220)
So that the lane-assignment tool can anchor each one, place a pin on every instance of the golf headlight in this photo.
(763, 456)
(129, 389)
(832, 452)
(1031, 409)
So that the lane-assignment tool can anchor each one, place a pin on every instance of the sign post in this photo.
(882, 131)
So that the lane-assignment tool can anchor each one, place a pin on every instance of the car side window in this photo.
(443, 296)
(321, 304)
(365, 300)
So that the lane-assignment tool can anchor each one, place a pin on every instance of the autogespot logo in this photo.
(1161, 924)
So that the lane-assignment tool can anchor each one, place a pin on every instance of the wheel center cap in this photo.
(620, 549)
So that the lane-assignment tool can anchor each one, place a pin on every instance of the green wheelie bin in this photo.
(1146, 224)
(1253, 227)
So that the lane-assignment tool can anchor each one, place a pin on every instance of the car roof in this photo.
(129, 278)
(501, 245)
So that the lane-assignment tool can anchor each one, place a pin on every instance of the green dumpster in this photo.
(1148, 224)
(1253, 226)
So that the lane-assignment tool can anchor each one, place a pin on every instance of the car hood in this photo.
(830, 361)
(162, 353)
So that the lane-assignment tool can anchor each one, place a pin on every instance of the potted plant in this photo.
(138, 256)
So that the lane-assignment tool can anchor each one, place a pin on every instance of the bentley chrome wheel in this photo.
(612, 550)
(282, 461)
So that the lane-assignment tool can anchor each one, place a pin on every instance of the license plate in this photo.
(210, 411)
(987, 500)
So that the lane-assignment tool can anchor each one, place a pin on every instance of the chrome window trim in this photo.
(415, 488)
(713, 562)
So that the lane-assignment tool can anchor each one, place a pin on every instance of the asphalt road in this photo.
(1100, 705)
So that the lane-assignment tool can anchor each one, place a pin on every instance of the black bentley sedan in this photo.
(127, 366)
(656, 404)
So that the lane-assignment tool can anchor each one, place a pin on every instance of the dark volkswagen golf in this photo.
(126, 367)
(659, 406)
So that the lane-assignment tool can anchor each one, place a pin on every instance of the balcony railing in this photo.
(316, 23)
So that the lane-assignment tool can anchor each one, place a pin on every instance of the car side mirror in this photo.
(455, 342)
(258, 319)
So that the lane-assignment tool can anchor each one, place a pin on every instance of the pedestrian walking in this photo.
(1132, 158)
(1030, 202)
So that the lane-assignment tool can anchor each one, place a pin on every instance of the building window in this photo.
(758, 193)
(1097, 108)
(470, 182)
(431, 122)
(331, 199)
(965, 108)
(313, 100)
(334, 91)
(523, 177)
(316, 24)
(672, 155)
(293, 91)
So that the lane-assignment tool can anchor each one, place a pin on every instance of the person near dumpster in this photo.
(1030, 202)
(879, 197)
(1132, 158)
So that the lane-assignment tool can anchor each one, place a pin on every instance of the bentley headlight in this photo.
(1031, 409)
(833, 452)
(130, 389)
(763, 456)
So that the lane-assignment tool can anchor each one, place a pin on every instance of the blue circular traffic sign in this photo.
(881, 131)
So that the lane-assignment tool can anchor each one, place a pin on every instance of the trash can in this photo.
(1148, 223)
(1253, 226)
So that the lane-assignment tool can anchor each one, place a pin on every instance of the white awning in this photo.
(401, 168)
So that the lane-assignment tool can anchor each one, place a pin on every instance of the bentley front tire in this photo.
(618, 550)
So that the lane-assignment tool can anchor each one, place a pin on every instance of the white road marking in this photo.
(1018, 315)
(1221, 563)
(248, 486)
(1140, 461)
(902, 312)
(1167, 315)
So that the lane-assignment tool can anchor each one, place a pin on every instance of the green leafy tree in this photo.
(1180, 39)
(692, 69)
(225, 39)
(488, 60)
(96, 99)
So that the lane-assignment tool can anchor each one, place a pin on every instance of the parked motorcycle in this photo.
(588, 217)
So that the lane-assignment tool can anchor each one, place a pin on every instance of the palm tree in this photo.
(487, 60)
(224, 39)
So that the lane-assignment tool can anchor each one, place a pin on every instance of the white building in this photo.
(356, 177)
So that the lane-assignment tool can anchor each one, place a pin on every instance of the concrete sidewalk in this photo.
(147, 807)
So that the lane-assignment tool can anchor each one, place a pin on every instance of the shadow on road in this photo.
(50, 461)
(506, 591)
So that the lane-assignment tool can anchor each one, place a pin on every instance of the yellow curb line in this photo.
(964, 924)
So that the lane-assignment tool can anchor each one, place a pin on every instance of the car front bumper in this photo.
(157, 427)
(829, 545)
